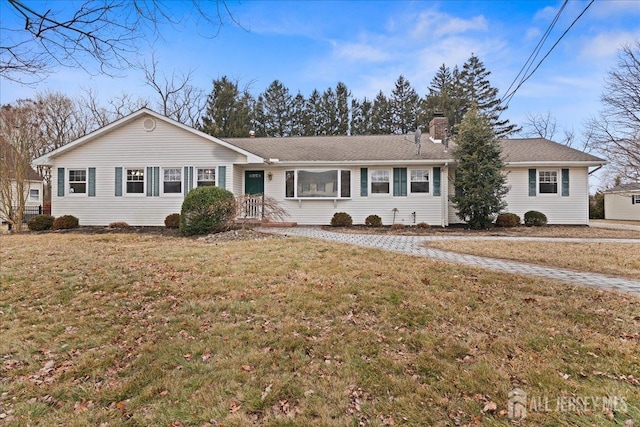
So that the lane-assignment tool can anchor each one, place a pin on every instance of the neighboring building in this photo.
(623, 202)
(139, 168)
(33, 187)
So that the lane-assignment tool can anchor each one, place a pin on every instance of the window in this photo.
(345, 183)
(135, 181)
(635, 199)
(34, 195)
(318, 183)
(77, 181)
(206, 177)
(172, 180)
(548, 182)
(419, 180)
(379, 181)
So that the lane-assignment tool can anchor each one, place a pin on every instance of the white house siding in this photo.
(569, 210)
(618, 206)
(131, 146)
(320, 211)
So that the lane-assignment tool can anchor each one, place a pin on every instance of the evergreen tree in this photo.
(313, 113)
(381, 115)
(480, 185)
(361, 117)
(299, 116)
(342, 109)
(328, 113)
(444, 97)
(228, 111)
(476, 88)
(275, 110)
(404, 107)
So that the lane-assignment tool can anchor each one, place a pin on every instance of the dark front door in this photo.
(253, 182)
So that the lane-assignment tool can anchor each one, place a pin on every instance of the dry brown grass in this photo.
(549, 231)
(129, 329)
(605, 258)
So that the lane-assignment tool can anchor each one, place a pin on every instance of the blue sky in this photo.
(368, 44)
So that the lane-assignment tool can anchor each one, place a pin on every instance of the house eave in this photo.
(352, 163)
(538, 164)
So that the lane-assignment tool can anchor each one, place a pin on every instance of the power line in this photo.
(509, 96)
(534, 54)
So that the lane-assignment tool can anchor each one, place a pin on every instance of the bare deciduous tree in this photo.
(615, 132)
(97, 36)
(539, 125)
(177, 97)
(19, 135)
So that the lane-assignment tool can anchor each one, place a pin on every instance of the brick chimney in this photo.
(437, 127)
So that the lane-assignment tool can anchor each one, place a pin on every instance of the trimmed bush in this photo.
(373, 221)
(119, 224)
(341, 219)
(397, 226)
(172, 221)
(507, 220)
(40, 223)
(422, 225)
(65, 222)
(535, 218)
(207, 210)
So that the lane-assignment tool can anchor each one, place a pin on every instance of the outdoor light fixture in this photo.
(269, 176)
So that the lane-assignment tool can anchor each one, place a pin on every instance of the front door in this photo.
(253, 182)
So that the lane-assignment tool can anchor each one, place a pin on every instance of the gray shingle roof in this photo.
(396, 148)
(633, 186)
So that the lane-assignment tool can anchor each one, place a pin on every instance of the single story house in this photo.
(139, 168)
(32, 187)
(622, 202)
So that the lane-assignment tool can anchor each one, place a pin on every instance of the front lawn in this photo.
(129, 329)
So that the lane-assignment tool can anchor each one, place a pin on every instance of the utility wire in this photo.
(527, 65)
(508, 97)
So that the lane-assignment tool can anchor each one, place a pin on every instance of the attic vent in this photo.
(149, 124)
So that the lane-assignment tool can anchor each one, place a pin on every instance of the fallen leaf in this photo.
(490, 407)
(246, 368)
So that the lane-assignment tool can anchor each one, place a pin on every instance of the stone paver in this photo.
(414, 245)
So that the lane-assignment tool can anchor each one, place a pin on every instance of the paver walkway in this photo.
(414, 245)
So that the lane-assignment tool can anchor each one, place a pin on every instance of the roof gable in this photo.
(46, 159)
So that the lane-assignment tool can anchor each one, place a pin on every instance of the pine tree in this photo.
(444, 97)
(313, 114)
(476, 88)
(404, 107)
(274, 110)
(480, 185)
(381, 115)
(228, 111)
(342, 108)
(328, 113)
(299, 115)
(361, 116)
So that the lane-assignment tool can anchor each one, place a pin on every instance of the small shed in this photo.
(622, 202)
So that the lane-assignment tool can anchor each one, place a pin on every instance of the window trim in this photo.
(197, 180)
(389, 181)
(125, 181)
(428, 181)
(636, 199)
(339, 190)
(37, 199)
(181, 181)
(72, 192)
(558, 184)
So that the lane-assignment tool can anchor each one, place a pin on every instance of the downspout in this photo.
(444, 191)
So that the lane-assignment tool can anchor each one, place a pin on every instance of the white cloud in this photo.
(545, 14)
(434, 23)
(532, 33)
(360, 52)
(606, 45)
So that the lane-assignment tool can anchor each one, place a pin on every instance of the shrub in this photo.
(535, 218)
(40, 223)
(119, 224)
(65, 222)
(397, 226)
(507, 220)
(341, 219)
(422, 225)
(207, 210)
(373, 221)
(172, 221)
